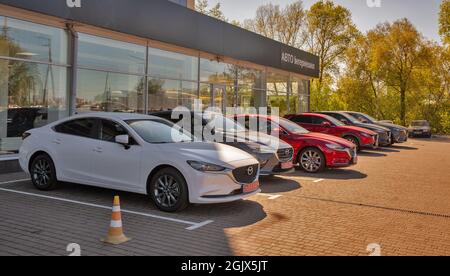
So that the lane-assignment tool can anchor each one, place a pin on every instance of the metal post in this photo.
(74, 73)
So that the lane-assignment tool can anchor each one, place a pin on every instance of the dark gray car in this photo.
(384, 133)
(399, 133)
(273, 161)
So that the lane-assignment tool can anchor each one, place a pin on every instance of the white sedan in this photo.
(140, 154)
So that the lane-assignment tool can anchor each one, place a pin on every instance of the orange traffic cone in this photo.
(115, 234)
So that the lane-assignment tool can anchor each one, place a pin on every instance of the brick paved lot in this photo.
(396, 197)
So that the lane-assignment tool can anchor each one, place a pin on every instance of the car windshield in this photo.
(350, 118)
(419, 124)
(368, 118)
(159, 131)
(334, 121)
(223, 124)
(292, 127)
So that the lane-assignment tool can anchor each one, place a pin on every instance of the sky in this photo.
(424, 14)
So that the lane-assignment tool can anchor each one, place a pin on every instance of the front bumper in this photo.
(370, 143)
(275, 165)
(339, 159)
(400, 137)
(218, 187)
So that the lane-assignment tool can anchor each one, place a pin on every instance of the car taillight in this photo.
(25, 135)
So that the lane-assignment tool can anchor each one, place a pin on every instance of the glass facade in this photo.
(33, 79)
(118, 76)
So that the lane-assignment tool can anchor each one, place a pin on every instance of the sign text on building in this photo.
(292, 59)
(73, 3)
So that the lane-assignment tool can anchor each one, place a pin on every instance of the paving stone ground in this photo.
(396, 197)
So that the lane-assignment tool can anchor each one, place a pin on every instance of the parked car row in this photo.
(221, 162)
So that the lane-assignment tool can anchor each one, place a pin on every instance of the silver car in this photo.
(420, 128)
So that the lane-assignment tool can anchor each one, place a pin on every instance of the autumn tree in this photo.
(444, 21)
(281, 24)
(214, 11)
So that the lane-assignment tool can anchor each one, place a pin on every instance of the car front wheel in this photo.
(43, 173)
(312, 160)
(169, 191)
(353, 140)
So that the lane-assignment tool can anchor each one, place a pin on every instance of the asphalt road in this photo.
(394, 200)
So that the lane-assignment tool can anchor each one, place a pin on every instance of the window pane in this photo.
(83, 128)
(163, 64)
(277, 82)
(31, 95)
(109, 92)
(111, 55)
(251, 78)
(278, 100)
(217, 72)
(168, 94)
(110, 130)
(25, 40)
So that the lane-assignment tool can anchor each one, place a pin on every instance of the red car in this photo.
(361, 137)
(313, 151)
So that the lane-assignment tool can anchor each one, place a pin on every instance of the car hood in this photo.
(373, 127)
(327, 139)
(360, 129)
(264, 140)
(219, 154)
(391, 126)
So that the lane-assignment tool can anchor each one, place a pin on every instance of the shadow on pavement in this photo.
(335, 174)
(404, 147)
(371, 154)
(273, 185)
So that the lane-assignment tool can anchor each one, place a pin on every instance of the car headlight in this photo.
(335, 147)
(205, 167)
(366, 135)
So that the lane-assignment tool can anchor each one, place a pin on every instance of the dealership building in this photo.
(59, 58)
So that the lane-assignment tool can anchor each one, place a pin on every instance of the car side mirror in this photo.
(344, 121)
(326, 124)
(123, 140)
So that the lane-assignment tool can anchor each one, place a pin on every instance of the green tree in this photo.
(444, 21)
(328, 32)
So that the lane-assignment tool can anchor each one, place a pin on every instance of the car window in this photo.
(159, 131)
(80, 127)
(110, 129)
(318, 120)
(291, 127)
(302, 119)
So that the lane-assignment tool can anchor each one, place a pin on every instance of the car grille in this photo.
(285, 155)
(246, 174)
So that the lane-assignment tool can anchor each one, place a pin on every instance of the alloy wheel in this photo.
(311, 161)
(167, 191)
(42, 173)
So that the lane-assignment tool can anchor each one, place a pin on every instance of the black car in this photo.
(273, 160)
(399, 133)
(383, 133)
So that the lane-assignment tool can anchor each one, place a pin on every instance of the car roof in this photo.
(115, 115)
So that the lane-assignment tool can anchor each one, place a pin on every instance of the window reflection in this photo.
(110, 55)
(164, 94)
(109, 92)
(24, 40)
(32, 94)
(164, 64)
